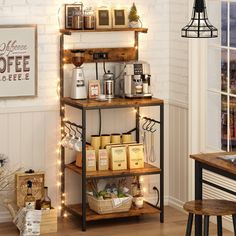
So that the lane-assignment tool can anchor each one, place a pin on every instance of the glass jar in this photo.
(78, 20)
(89, 18)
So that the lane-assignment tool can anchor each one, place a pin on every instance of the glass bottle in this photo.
(45, 200)
(29, 198)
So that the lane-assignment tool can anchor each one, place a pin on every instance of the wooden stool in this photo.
(209, 208)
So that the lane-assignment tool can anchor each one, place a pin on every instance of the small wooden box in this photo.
(135, 156)
(103, 160)
(21, 179)
(90, 160)
(48, 221)
(118, 158)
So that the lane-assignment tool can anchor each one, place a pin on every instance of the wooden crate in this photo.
(48, 221)
(37, 179)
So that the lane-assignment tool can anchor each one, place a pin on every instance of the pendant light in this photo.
(199, 25)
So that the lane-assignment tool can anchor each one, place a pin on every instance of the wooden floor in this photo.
(175, 223)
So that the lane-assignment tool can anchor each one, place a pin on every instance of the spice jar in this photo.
(78, 20)
(89, 18)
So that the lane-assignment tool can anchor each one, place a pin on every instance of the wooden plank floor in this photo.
(175, 223)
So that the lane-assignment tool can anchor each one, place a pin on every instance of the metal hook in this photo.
(67, 128)
(151, 129)
(77, 129)
(73, 130)
(144, 123)
(148, 125)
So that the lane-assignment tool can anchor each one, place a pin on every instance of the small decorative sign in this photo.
(18, 61)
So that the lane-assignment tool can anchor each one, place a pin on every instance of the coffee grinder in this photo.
(78, 88)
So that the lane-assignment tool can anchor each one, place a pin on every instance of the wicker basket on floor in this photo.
(107, 206)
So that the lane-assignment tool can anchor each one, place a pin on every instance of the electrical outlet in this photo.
(100, 56)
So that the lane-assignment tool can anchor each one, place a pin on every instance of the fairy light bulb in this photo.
(60, 207)
(65, 215)
(58, 184)
(63, 202)
(63, 194)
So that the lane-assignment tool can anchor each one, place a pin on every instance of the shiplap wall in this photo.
(30, 125)
(178, 109)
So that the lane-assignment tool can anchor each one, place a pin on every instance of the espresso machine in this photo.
(78, 88)
(134, 80)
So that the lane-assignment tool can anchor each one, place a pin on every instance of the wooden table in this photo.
(211, 162)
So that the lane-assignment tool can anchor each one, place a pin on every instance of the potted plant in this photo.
(133, 17)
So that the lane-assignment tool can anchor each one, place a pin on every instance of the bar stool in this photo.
(207, 208)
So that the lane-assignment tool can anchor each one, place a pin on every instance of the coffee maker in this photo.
(78, 88)
(134, 80)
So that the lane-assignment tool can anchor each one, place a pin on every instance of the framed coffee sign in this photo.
(18, 60)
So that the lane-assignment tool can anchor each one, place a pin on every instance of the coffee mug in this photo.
(95, 141)
(115, 138)
(126, 138)
(105, 139)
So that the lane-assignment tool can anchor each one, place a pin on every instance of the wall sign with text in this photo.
(18, 60)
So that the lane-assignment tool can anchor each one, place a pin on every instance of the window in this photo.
(221, 87)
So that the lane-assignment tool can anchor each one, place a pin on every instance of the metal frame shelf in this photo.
(82, 210)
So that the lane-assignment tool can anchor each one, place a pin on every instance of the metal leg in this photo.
(234, 223)
(206, 225)
(137, 123)
(83, 170)
(198, 196)
(162, 162)
(219, 225)
(189, 225)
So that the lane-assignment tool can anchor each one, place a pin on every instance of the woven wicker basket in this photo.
(107, 206)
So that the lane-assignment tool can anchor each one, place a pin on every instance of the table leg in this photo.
(198, 196)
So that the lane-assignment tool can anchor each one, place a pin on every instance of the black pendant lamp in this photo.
(199, 25)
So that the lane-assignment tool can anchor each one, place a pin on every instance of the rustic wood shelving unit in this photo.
(82, 210)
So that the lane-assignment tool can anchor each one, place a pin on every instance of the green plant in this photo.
(133, 16)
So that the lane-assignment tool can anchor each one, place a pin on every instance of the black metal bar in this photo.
(153, 120)
(162, 162)
(74, 124)
(234, 223)
(62, 114)
(198, 196)
(132, 130)
(219, 225)
(100, 121)
(84, 170)
(206, 225)
(137, 123)
(219, 187)
(189, 224)
(136, 44)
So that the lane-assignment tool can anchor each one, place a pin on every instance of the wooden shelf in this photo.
(90, 104)
(70, 31)
(147, 170)
(93, 216)
(114, 54)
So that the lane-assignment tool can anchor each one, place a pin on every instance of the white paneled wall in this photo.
(29, 139)
(178, 109)
(178, 156)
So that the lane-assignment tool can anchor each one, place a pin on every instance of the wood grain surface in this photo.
(147, 170)
(175, 225)
(212, 159)
(211, 207)
(112, 103)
